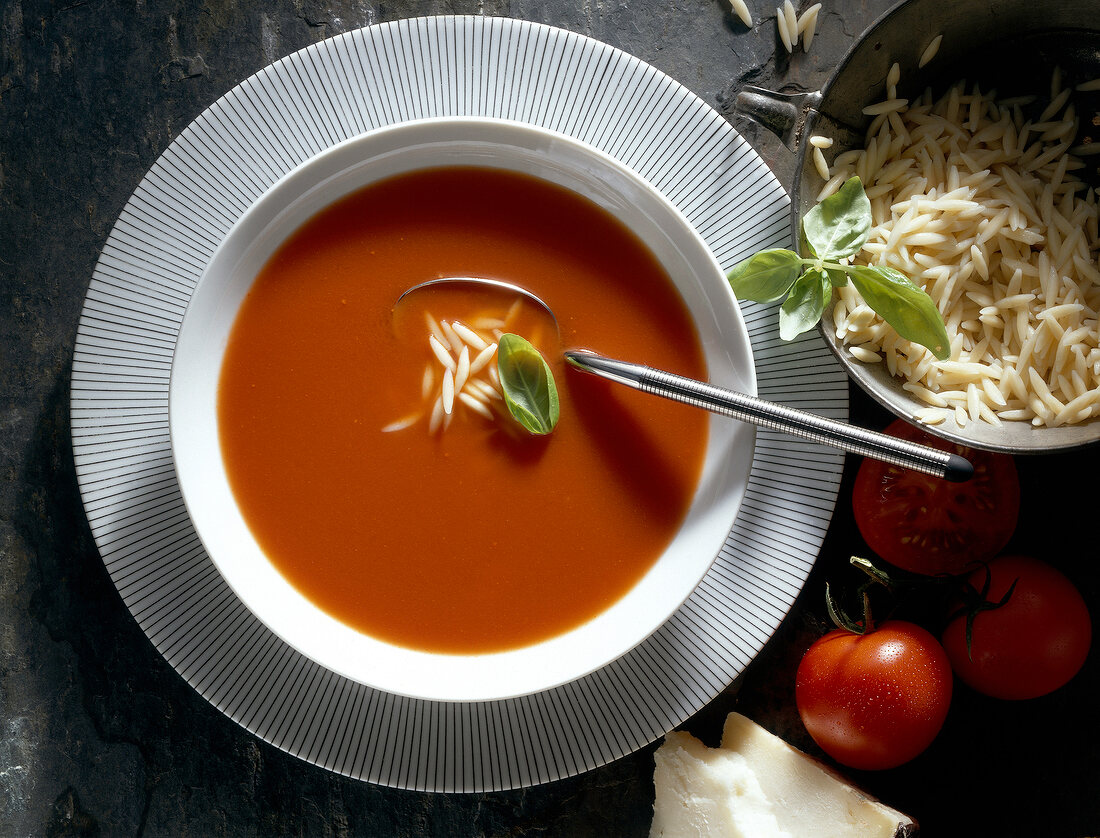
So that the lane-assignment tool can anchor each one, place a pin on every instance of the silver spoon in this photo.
(751, 409)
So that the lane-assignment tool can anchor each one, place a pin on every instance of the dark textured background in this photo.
(100, 737)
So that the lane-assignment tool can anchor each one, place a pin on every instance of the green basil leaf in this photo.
(803, 307)
(838, 278)
(839, 226)
(766, 276)
(904, 305)
(528, 384)
(804, 243)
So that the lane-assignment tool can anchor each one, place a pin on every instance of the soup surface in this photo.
(478, 536)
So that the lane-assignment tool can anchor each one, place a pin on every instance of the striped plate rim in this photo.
(167, 232)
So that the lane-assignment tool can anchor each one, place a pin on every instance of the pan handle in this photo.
(784, 114)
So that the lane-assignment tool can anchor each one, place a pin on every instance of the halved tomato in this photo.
(927, 525)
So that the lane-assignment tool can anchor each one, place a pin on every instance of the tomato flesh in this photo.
(928, 525)
(1030, 646)
(876, 700)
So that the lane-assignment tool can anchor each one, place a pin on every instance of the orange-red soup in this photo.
(481, 537)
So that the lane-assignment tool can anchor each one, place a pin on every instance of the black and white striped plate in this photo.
(158, 248)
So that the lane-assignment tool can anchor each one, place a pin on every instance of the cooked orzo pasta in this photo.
(980, 206)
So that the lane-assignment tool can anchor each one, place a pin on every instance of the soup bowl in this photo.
(202, 472)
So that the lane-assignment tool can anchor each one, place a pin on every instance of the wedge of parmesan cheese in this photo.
(757, 786)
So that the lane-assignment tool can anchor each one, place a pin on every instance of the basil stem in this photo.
(833, 231)
(527, 384)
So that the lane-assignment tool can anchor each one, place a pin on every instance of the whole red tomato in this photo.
(874, 700)
(928, 525)
(1031, 645)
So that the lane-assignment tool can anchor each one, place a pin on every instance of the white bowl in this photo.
(210, 316)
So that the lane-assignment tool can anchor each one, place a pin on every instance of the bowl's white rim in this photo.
(470, 671)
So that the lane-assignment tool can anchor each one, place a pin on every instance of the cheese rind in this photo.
(758, 786)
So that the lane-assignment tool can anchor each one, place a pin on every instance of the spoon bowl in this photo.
(481, 282)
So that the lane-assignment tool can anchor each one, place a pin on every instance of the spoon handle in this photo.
(775, 416)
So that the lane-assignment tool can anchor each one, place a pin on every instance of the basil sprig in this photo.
(834, 230)
(528, 384)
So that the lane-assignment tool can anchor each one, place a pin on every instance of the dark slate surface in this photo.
(100, 737)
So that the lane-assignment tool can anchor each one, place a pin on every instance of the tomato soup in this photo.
(471, 535)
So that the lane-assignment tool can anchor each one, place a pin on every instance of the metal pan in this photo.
(1012, 46)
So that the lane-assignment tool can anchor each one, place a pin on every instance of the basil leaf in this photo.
(839, 226)
(838, 278)
(904, 305)
(528, 384)
(802, 309)
(766, 276)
